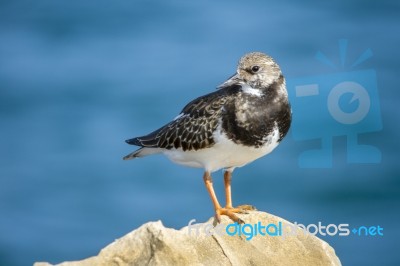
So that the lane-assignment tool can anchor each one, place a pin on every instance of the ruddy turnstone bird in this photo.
(245, 119)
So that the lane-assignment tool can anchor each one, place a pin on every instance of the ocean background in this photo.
(77, 78)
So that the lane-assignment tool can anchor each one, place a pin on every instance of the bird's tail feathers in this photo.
(142, 152)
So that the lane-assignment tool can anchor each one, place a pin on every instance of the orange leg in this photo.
(227, 183)
(228, 196)
(210, 188)
(228, 210)
(218, 209)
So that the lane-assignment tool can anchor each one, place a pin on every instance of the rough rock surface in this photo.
(153, 244)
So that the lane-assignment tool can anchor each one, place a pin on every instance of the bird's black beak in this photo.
(235, 79)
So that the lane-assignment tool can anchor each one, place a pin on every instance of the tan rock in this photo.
(153, 244)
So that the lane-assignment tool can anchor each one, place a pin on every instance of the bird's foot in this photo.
(230, 212)
(245, 208)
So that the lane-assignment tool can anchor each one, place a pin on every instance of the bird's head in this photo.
(256, 69)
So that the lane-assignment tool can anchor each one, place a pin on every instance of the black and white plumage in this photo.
(243, 120)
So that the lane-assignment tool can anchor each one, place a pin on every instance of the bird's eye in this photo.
(254, 69)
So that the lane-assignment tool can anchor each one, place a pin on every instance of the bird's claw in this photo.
(230, 212)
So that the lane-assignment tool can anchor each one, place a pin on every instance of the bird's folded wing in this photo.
(193, 129)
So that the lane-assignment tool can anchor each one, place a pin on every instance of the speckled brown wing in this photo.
(193, 128)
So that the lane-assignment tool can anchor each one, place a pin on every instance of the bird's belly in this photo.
(223, 154)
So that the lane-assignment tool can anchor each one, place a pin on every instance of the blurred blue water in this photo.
(77, 78)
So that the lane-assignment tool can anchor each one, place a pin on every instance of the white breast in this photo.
(224, 154)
